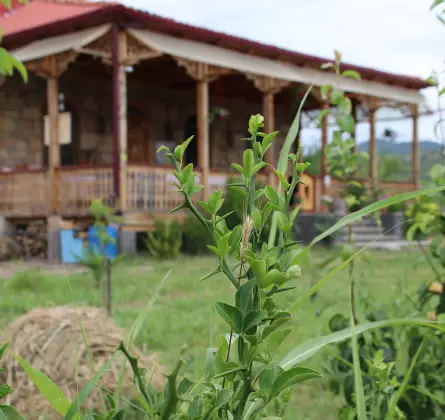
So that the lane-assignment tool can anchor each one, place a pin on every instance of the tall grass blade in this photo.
(283, 159)
(372, 208)
(358, 380)
(309, 348)
(83, 394)
(331, 274)
(391, 414)
(9, 413)
(48, 388)
(134, 332)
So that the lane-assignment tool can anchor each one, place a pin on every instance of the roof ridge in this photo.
(75, 2)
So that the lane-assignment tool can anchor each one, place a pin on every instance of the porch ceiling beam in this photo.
(244, 63)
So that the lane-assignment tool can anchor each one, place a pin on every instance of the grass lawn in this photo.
(183, 312)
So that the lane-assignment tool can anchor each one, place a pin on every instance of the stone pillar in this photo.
(127, 241)
(54, 248)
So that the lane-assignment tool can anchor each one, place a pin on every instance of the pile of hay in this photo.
(50, 339)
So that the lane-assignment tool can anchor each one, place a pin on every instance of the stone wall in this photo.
(165, 114)
(21, 122)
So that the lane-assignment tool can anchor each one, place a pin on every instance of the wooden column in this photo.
(269, 124)
(324, 142)
(202, 105)
(355, 115)
(122, 119)
(373, 159)
(415, 155)
(52, 85)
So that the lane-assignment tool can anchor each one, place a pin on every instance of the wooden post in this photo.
(324, 142)
(202, 105)
(269, 124)
(52, 93)
(373, 168)
(122, 117)
(355, 115)
(415, 155)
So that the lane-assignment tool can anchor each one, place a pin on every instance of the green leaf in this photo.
(321, 115)
(252, 319)
(276, 338)
(283, 159)
(230, 314)
(345, 106)
(291, 377)
(258, 167)
(403, 387)
(372, 208)
(326, 66)
(283, 222)
(223, 245)
(223, 397)
(310, 347)
(436, 3)
(4, 391)
(346, 123)
(272, 196)
(269, 375)
(248, 161)
(351, 73)
(253, 406)
(48, 388)
(282, 179)
(268, 140)
(294, 214)
(3, 349)
(337, 96)
(325, 90)
(185, 144)
(358, 380)
(9, 413)
(239, 168)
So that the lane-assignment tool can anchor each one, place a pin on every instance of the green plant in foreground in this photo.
(166, 240)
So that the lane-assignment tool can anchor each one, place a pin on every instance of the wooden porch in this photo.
(149, 189)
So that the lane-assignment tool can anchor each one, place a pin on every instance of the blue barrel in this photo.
(111, 249)
(71, 248)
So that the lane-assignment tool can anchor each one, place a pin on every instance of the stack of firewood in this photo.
(33, 239)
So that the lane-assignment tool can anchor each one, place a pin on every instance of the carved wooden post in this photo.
(415, 155)
(269, 87)
(202, 106)
(373, 168)
(203, 74)
(324, 142)
(122, 118)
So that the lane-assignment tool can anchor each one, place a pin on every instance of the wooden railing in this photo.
(151, 188)
(24, 193)
(78, 186)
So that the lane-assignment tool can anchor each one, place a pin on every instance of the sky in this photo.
(399, 36)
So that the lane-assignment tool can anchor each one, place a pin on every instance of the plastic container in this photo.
(112, 249)
(71, 247)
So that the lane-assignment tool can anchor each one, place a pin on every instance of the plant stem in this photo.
(231, 330)
(351, 280)
(430, 261)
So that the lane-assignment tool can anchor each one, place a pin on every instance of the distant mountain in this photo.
(400, 147)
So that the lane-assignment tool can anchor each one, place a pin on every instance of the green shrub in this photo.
(195, 237)
(28, 280)
(166, 239)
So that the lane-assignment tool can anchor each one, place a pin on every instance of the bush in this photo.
(166, 240)
(195, 237)
(28, 280)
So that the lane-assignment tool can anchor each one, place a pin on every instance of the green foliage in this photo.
(6, 411)
(165, 240)
(195, 237)
(27, 280)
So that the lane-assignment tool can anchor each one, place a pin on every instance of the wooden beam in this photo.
(269, 124)
(122, 117)
(373, 159)
(415, 154)
(52, 94)
(324, 142)
(202, 105)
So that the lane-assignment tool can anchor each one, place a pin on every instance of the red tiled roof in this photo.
(51, 17)
(40, 12)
